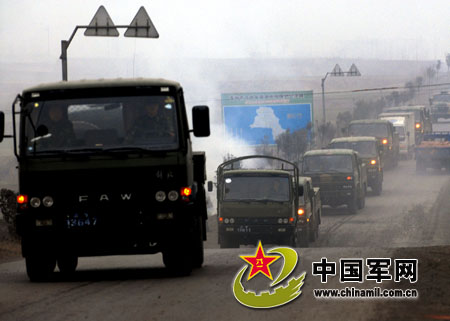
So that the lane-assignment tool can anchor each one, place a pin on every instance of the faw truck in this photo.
(95, 179)
(273, 205)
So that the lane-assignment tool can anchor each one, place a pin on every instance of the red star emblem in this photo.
(260, 262)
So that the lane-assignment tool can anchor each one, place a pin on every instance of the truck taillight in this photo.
(418, 125)
(384, 141)
(373, 162)
(349, 178)
(300, 211)
(22, 199)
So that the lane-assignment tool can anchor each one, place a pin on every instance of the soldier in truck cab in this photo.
(156, 121)
(58, 126)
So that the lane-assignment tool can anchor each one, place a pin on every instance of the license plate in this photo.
(244, 229)
(78, 220)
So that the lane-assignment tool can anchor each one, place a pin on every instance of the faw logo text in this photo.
(104, 197)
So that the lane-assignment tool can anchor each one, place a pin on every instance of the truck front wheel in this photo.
(67, 264)
(39, 268)
(303, 238)
(352, 204)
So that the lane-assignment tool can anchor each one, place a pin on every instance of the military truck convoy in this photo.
(82, 149)
(82, 146)
(271, 204)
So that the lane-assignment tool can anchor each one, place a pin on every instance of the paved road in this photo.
(139, 288)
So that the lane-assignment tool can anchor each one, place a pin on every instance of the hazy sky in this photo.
(384, 29)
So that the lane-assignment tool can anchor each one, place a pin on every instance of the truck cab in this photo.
(340, 174)
(404, 125)
(384, 131)
(95, 180)
(267, 204)
(371, 153)
(422, 121)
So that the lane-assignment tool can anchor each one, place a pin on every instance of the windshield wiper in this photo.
(84, 150)
(126, 149)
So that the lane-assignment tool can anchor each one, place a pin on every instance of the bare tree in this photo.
(294, 144)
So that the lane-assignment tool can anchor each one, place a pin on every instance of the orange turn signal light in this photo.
(373, 162)
(418, 125)
(301, 211)
(22, 199)
(385, 141)
(186, 191)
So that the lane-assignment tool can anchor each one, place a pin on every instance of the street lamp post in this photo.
(336, 72)
(102, 26)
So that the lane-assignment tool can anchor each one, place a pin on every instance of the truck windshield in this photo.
(401, 132)
(256, 188)
(327, 164)
(91, 124)
(365, 149)
(376, 130)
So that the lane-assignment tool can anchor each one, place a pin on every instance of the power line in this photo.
(377, 89)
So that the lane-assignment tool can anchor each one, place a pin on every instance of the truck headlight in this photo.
(160, 196)
(35, 202)
(173, 196)
(47, 201)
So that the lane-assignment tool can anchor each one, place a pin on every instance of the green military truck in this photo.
(384, 131)
(340, 174)
(89, 186)
(275, 206)
(370, 151)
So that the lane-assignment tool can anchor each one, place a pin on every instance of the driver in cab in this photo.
(155, 122)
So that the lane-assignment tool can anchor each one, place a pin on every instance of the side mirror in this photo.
(200, 120)
(210, 186)
(2, 125)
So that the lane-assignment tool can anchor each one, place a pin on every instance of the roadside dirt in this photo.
(433, 282)
(9, 245)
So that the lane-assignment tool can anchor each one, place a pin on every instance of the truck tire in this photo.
(313, 230)
(228, 244)
(67, 264)
(303, 238)
(197, 245)
(39, 268)
(352, 205)
(377, 187)
(182, 256)
(362, 199)
(420, 166)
